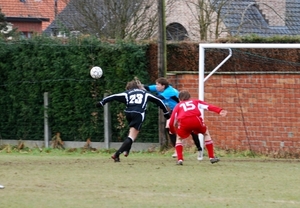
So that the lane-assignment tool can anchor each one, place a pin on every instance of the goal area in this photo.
(259, 85)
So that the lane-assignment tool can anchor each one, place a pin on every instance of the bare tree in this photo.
(3, 23)
(6, 29)
(116, 19)
(208, 15)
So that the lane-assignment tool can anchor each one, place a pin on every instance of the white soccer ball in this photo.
(96, 72)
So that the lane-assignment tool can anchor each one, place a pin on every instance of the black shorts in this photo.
(135, 119)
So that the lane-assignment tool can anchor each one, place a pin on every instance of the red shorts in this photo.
(190, 124)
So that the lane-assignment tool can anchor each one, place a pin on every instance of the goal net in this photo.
(259, 86)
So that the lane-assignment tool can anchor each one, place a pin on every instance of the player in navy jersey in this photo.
(186, 118)
(136, 100)
(169, 95)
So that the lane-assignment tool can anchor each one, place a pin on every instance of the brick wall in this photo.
(264, 110)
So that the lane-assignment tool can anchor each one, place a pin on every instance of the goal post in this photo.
(202, 48)
(229, 46)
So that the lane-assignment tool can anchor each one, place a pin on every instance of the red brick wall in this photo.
(28, 26)
(263, 110)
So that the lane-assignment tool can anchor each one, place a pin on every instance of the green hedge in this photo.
(30, 67)
(253, 38)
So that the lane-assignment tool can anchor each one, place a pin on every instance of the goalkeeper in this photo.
(169, 96)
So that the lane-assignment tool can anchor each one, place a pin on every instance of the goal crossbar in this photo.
(203, 46)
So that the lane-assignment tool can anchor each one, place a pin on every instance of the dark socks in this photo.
(196, 141)
(172, 137)
(126, 146)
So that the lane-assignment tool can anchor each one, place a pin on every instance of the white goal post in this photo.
(229, 46)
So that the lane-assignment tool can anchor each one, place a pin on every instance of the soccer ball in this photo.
(96, 72)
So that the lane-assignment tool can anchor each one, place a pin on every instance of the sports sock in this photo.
(179, 149)
(196, 141)
(125, 146)
(129, 148)
(172, 137)
(210, 148)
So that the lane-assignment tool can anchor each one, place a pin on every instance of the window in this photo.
(176, 32)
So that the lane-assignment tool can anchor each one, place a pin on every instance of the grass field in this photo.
(63, 179)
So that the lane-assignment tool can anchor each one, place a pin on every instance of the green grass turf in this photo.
(34, 179)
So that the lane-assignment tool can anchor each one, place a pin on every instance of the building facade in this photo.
(197, 20)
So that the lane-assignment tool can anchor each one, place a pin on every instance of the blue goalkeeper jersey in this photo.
(169, 96)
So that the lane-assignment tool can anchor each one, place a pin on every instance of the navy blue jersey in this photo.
(135, 100)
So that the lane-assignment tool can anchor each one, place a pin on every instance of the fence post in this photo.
(46, 125)
(161, 130)
(107, 125)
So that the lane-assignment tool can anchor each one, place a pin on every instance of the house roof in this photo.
(16, 8)
(43, 10)
(64, 19)
(243, 17)
(47, 7)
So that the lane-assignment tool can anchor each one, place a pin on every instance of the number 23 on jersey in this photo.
(136, 98)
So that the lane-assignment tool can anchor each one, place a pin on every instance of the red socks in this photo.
(208, 144)
(210, 148)
(179, 149)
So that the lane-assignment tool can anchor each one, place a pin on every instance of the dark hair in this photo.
(163, 81)
(184, 95)
(132, 85)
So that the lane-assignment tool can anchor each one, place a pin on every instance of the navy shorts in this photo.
(135, 119)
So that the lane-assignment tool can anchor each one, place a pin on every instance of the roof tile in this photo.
(32, 8)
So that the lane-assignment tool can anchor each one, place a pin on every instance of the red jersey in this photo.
(190, 108)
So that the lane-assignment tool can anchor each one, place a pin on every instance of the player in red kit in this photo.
(186, 118)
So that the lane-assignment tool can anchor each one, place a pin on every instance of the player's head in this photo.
(161, 84)
(132, 85)
(139, 84)
(184, 95)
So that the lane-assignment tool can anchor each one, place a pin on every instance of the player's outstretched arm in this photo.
(223, 113)
(120, 97)
(99, 104)
(139, 84)
(159, 103)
